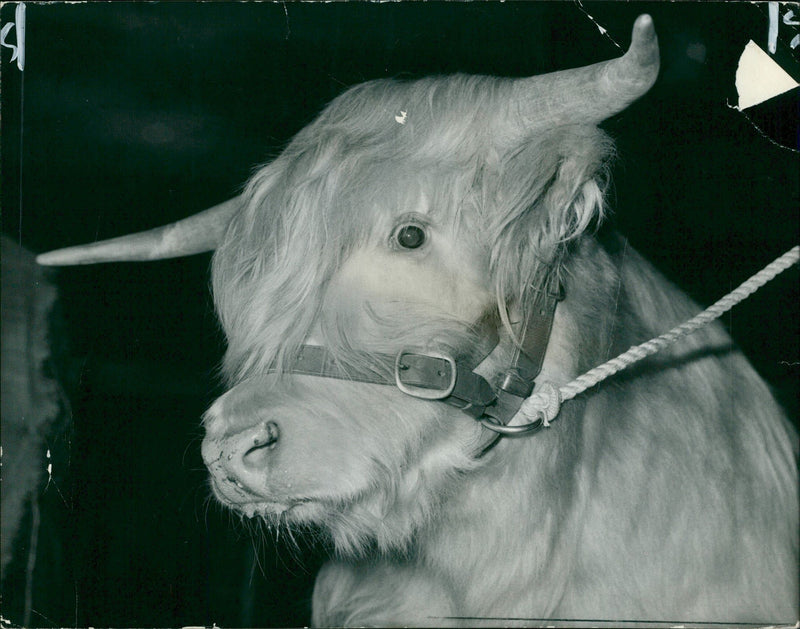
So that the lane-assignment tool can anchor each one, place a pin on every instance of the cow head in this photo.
(407, 215)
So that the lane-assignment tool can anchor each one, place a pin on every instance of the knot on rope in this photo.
(544, 404)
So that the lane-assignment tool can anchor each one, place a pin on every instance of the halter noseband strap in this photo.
(421, 374)
(436, 376)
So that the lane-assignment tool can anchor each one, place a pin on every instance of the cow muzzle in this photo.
(240, 463)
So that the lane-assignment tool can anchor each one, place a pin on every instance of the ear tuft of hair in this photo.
(549, 191)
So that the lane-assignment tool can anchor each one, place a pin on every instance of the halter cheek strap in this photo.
(517, 382)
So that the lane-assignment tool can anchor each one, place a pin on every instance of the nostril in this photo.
(268, 437)
(263, 441)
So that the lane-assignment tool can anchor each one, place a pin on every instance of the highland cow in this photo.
(395, 284)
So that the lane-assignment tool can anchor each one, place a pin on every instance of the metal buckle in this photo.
(512, 382)
(559, 293)
(422, 392)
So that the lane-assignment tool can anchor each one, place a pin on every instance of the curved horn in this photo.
(195, 234)
(592, 93)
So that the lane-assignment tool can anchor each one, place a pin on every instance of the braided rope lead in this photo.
(544, 405)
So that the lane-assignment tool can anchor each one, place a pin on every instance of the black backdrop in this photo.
(131, 115)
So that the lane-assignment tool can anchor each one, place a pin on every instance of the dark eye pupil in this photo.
(410, 237)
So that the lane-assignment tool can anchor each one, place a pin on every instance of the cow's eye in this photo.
(409, 235)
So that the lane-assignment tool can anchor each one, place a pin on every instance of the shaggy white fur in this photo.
(666, 493)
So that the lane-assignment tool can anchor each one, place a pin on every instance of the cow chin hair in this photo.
(383, 518)
(401, 500)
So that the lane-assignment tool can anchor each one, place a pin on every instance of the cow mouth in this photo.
(252, 506)
(294, 509)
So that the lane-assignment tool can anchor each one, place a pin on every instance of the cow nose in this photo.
(264, 439)
(240, 463)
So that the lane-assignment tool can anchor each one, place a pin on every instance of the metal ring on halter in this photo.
(512, 431)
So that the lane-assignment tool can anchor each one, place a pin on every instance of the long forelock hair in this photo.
(305, 212)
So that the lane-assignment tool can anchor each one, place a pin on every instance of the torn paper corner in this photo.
(759, 77)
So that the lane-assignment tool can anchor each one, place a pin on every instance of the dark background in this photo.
(128, 116)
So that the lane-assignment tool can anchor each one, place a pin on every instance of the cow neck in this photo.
(435, 376)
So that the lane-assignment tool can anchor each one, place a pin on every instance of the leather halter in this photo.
(435, 376)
